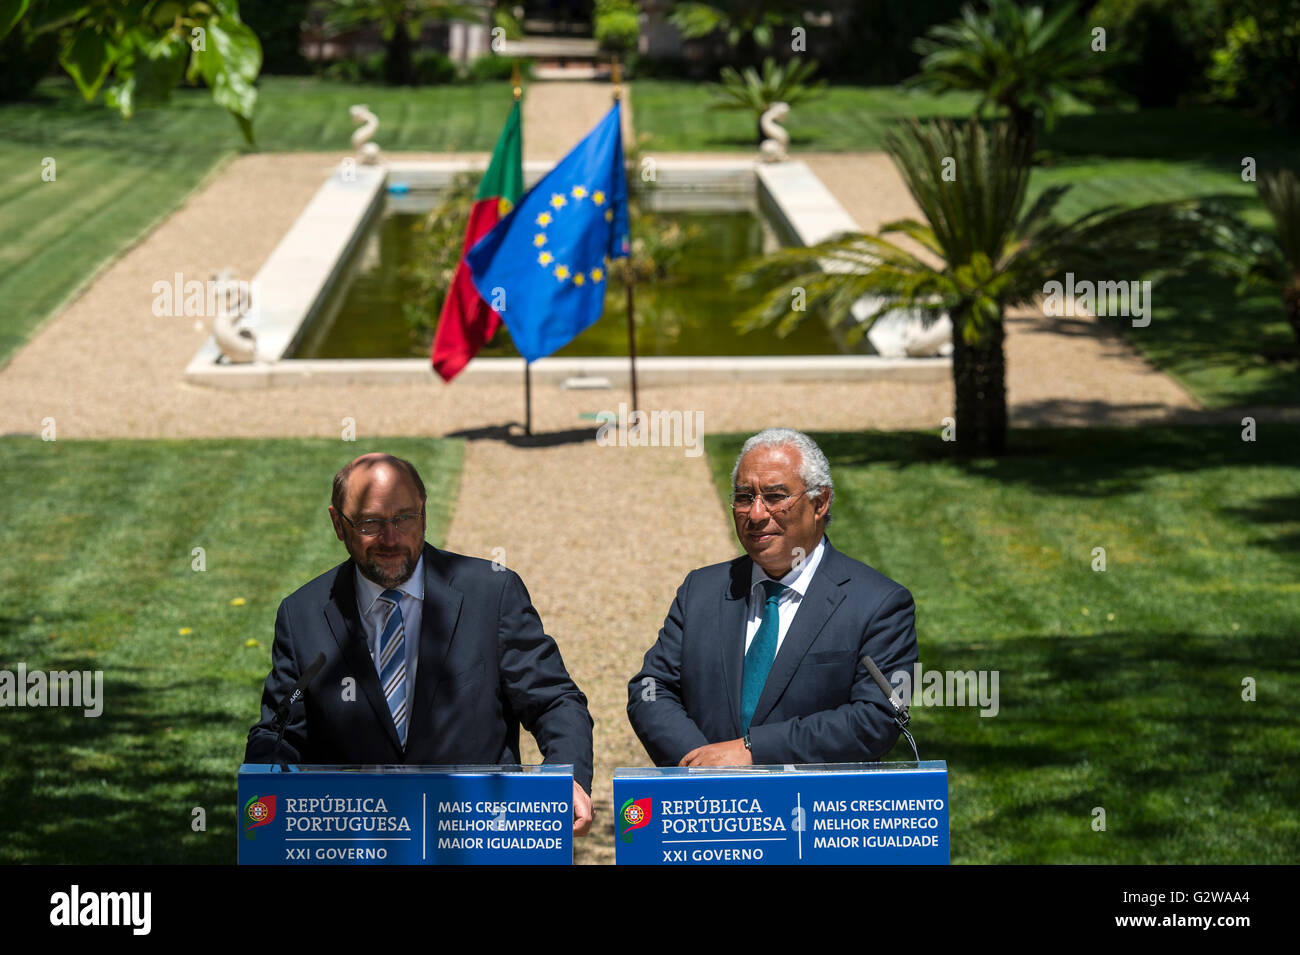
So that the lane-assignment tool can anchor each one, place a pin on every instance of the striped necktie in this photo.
(761, 653)
(392, 663)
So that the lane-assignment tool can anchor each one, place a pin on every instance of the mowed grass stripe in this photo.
(97, 572)
(116, 178)
(1119, 689)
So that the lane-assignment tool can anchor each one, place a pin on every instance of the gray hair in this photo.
(814, 469)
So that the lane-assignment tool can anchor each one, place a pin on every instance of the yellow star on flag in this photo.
(579, 278)
(557, 200)
(579, 191)
(539, 240)
(544, 219)
(597, 274)
(609, 215)
(561, 272)
(597, 197)
(545, 258)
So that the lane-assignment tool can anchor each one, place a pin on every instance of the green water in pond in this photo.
(689, 315)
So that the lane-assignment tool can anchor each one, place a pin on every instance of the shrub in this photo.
(432, 68)
(494, 69)
(342, 71)
(1163, 46)
(617, 26)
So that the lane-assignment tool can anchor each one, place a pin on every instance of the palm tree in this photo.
(1268, 259)
(749, 25)
(1015, 57)
(985, 250)
(750, 90)
(1281, 195)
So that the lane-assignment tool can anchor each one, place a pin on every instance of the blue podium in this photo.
(832, 814)
(405, 815)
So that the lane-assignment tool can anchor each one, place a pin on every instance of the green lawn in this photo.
(1227, 350)
(116, 178)
(678, 118)
(1120, 689)
(97, 572)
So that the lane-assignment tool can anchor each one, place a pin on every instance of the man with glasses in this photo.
(760, 659)
(430, 657)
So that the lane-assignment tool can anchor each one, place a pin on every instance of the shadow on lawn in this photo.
(1127, 722)
(1086, 462)
(61, 789)
(513, 435)
(1215, 136)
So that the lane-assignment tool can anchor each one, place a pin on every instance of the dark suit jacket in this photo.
(819, 704)
(486, 666)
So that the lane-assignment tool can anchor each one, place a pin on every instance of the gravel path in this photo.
(558, 113)
(601, 536)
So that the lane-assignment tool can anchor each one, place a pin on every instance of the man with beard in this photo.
(431, 658)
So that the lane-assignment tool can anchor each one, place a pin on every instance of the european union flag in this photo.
(544, 267)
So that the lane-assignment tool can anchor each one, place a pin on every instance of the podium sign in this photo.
(405, 815)
(833, 814)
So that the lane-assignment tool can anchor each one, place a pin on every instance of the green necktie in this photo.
(761, 653)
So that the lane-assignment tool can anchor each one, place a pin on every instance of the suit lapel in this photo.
(731, 627)
(825, 593)
(345, 624)
(438, 617)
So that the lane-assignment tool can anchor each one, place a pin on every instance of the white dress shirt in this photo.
(796, 585)
(374, 614)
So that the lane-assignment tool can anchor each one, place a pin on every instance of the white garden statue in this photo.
(239, 345)
(773, 148)
(904, 332)
(367, 152)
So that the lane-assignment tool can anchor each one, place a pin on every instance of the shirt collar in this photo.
(368, 591)
(799, 577)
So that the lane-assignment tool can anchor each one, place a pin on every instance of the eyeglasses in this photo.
(775, 501)
(373, 527)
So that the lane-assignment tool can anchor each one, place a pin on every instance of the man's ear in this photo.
(338, 524)
(823, 503)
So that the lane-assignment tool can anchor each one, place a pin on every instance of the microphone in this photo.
(901, 716)
(294, 695)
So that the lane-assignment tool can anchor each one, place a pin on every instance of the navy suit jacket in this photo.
(486, 666)
(819, 704)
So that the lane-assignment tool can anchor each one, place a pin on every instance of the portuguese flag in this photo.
(467, 322)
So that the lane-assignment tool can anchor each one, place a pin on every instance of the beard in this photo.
(372, 571)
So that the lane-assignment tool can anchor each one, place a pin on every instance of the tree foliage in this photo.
(138, 51)
(983, 248)
(1267, 259)
(400, 23)
(1015, 57)
(755, 91)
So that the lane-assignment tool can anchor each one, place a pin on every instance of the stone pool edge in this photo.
(301, 269)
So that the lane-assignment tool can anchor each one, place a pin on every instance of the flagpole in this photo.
(528, 375)
(627, 274)
(528, 397)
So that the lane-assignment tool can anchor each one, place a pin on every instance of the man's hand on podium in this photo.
(581, 810)
(731, 753)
